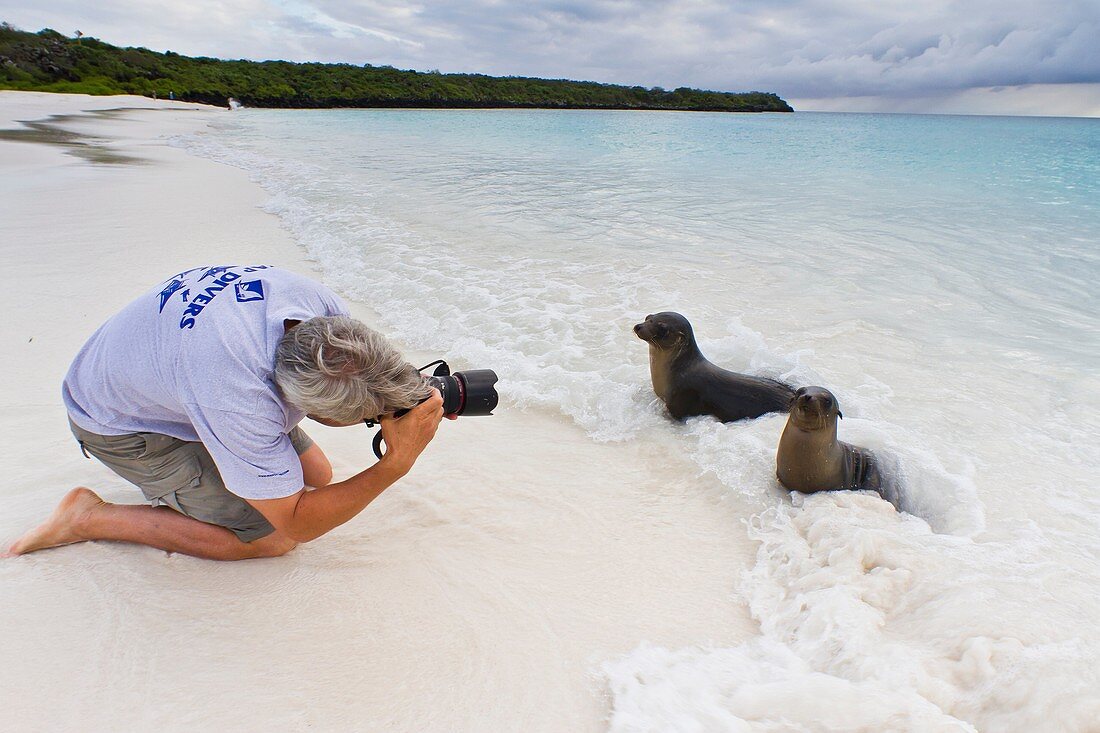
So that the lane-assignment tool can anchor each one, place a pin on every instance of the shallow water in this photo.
(936, 273)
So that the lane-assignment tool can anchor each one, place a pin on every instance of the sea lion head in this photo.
(666, 331)
(814, 408)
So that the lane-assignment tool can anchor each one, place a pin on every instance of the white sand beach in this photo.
(480, 593)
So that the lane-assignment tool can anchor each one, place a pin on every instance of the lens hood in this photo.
(480, 393)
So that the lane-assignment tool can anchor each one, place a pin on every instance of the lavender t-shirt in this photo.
(194, 358)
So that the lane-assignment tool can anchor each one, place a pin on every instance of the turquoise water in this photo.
(937, 273)
(1010, 206)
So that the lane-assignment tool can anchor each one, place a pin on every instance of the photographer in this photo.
(194, 393)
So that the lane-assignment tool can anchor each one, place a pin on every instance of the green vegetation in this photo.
(47, 61)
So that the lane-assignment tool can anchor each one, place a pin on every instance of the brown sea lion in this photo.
(810, 458)
(690, 385)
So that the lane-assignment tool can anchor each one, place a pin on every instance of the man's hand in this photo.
(407, 436)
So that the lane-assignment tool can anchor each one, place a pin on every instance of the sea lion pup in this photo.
(810, 458)
(690, 385)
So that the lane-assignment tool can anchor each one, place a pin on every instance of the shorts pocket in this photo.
(114, 447)
(169, 472)
(156, 444)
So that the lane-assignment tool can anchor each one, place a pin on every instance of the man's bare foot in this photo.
(62, 526)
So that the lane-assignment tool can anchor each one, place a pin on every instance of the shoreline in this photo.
(478, 592)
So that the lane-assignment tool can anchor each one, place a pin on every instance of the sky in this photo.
(980, 56)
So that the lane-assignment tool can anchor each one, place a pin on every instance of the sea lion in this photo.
(690, 385)
(810, 458)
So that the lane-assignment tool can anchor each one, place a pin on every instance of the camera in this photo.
(472, 392)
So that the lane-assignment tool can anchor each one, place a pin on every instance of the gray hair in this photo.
(337, 368)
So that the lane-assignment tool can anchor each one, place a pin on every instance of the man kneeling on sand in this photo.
(194, 393)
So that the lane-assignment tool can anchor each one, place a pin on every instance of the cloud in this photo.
(798, 48)
(1052, 100)
(302, 18)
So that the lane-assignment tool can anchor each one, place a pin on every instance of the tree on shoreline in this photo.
(49, 61)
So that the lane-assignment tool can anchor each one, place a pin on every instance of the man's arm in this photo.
(307, 515)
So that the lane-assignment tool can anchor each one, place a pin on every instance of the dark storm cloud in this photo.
(818, 48)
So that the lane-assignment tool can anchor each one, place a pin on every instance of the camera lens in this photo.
(465, 393)
(479, 395)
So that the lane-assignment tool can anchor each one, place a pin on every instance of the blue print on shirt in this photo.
(213, 271)
(252, 290)
(196, 299)
(168, 291)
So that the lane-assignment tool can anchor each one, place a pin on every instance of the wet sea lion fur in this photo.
(690, 385)
(810, 458)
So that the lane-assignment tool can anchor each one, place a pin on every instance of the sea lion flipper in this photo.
(869, 476)
(685, 404)
(884, 480)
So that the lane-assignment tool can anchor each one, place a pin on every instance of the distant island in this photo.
(48, 61)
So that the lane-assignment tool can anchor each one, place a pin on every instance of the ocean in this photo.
(938, 274)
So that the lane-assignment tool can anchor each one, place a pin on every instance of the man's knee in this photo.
(316, 469)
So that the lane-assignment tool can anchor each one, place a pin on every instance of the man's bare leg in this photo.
(82, 515)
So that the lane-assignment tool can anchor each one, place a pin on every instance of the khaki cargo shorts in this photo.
(181, 475)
